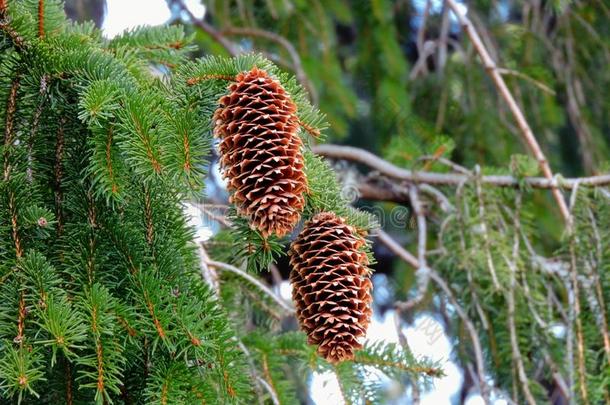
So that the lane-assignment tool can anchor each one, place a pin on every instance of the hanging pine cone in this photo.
(261, 152)
(331, 287)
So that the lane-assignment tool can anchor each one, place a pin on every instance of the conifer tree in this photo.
(104, 295)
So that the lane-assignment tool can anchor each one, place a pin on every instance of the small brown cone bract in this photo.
(331, 286)
(261, 152)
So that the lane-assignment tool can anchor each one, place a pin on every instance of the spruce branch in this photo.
(575, 308)
(40, 18)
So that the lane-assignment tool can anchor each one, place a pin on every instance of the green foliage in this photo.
(97, 262)
(100, 280)
(325, 194)
(21, 369)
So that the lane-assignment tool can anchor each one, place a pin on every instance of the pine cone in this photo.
(261, 152)
(331, 287)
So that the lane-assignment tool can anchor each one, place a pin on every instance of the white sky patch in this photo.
(196, 220)
(427, 338)
(126, 14)
(324, 389)
(122, 15)
(285, 290)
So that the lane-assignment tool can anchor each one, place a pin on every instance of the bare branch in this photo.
(284, 43)
(211, 31)
(383, 166)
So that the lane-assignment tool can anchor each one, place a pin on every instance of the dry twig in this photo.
(524, 127)
(388, 169)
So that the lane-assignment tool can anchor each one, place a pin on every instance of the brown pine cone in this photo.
(261, 152)
(331, 287)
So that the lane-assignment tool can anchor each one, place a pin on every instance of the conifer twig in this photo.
(253, 280)
(514, 339)
(598, 286)
(486, 239)
(526, 131)
(580, 345)
(40, 18)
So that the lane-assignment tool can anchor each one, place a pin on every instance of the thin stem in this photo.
(211, 31)
(423, 272)
(434, 276)
(526, 131)
(253, 280)
(284, 43)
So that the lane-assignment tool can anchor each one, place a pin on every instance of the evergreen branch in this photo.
(526, 131)
(575, 307)
(17, 39)
(113, 186)
(64, 324)
(484, 226)
(14, 225)
(315, 132)
(104, 367)
(58, 171)
(269, 380)
(9, 135)
(386, 168)
(151, 311)
(191, 81)
(517, 357)
(148, 219)
(22, 313)
(69, 384)
(390, 357)
(20, 370)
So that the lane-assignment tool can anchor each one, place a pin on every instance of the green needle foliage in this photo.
(101, 295)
